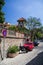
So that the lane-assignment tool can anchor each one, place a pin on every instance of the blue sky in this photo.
(15, 9)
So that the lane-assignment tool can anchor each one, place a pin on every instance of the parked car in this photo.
(36, 43)
(27, 46)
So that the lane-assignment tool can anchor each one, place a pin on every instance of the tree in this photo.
(2, 19)
(32, 24)
(41, 29)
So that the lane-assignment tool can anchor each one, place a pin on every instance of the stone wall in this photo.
(13, 38)
(9, 41)
(12, 41)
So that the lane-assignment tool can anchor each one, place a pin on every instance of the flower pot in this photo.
(12, 55)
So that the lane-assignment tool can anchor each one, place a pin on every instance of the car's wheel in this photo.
(26, 51)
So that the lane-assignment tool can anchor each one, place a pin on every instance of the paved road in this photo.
(34, 57)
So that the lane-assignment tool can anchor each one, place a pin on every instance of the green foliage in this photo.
(39, 34)
(23, 30)
(13, 49)
(12, 28)
(1, 4)
(33, 24)
(20, 29)
(2, 19)
(41, 29)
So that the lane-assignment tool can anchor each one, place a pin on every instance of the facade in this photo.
(4, 25)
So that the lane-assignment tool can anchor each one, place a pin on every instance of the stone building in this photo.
(21, 22)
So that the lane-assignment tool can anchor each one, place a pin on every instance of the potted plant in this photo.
(12, 51)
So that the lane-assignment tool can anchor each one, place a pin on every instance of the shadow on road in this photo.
(38, 60)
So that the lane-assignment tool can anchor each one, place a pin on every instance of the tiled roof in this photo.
(21, 19)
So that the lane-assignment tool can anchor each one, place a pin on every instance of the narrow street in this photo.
(34, 57)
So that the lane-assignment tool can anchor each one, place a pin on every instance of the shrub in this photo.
(13, 49)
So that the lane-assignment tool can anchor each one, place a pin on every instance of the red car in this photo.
(28, 46)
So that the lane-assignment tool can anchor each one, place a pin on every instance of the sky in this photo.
(15, 9)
